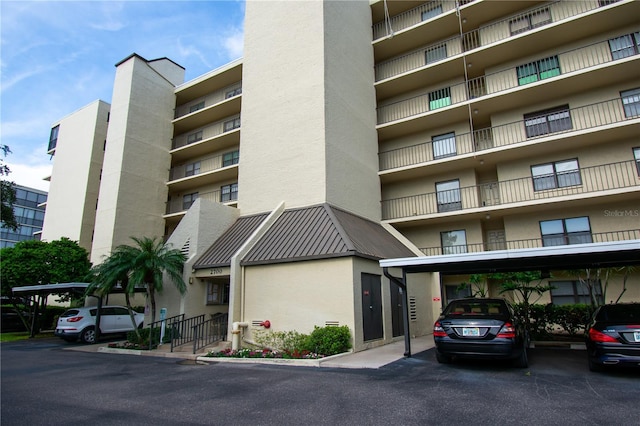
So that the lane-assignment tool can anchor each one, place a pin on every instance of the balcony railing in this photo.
(533, 18)
(582, 118)
(207, 132)
(178, 205)
(202, 166)
(507, 192)
(603, 237)
(412, 17)
(567, 62)
(212, 98)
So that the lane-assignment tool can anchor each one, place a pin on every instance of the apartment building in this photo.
(509, 125)
(353, 132)
(28, 210)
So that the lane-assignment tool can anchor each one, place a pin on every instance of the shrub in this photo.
(288, 341)
(329, 340)
(545, 319)
(144, 336)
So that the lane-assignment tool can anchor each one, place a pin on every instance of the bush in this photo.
(329, 340)
(544, 320)
(287, 341)
(144, 336)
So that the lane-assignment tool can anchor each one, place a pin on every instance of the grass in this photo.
(21, 335)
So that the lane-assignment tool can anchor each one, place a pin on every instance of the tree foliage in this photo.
(7, 194)
(37, 262)
(142, 265)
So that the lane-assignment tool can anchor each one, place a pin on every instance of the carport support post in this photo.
(405, 305)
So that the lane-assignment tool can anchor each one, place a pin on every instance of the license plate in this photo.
(470, 331)
(636, 336)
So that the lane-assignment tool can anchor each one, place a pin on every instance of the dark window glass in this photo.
(448, 196)
(560, 232)
(548, 121)
(631, 102)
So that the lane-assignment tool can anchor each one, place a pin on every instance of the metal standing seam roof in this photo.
(221, 251)
(323, 231)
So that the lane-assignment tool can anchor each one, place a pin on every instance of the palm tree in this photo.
(145, 263)
(113, 271)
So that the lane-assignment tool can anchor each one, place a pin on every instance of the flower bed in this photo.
(263, 353)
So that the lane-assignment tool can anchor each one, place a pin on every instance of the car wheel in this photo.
(523, 360)
(442, 359)
(88, 335)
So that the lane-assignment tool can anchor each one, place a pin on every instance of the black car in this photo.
(480, 328)
(613, 336)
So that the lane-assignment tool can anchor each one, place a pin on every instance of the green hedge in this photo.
(544, 320)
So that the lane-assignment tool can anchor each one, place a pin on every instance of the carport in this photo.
(40, 293)
(577, 256)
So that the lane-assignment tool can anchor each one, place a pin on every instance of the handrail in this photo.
(169, 323)
(210, 331)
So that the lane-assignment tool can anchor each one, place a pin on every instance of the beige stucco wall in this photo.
(133, 191)
(306, 119)
(75, 178)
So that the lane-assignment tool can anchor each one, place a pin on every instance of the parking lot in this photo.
(42, 383)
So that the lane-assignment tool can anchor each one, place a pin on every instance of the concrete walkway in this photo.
(370, 358)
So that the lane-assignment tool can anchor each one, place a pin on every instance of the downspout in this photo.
(405, 305)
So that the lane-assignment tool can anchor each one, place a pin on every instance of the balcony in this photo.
(179, 206)
(587, 118)
(621, 177)
(207, 109)
(580, 64)
(417, 27)
(603, 237)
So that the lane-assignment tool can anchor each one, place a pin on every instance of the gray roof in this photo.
(321, 232)
(219, 254)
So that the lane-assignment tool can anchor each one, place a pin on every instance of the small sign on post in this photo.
(163, 316)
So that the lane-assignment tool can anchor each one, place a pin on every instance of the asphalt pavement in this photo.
(45, 383)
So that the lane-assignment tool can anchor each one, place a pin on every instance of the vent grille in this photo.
(256, 323)
(413, 311)
(332, 323)
(185, 247)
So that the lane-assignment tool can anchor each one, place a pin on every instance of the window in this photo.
(230, 158)
(53, 138)
(229, 192)
(457, 292)
(196, 107)
(636, 155)
(194, 137)
(631, 102)
(627, 45)
(559, 174)
(431, 13)
(448, 196)
(548, 121)
(572, 292)
(439, 98)
(444, 145)
(435, 54)
(231, 124)
(561, 232)
(188, 200)
(454, 242)
(233, 92)
(530, 21)
(217, 293)
(538, 70)
(192, 169)
(606, 2)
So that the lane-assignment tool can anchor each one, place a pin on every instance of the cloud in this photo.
(29, 175)
(234, 44)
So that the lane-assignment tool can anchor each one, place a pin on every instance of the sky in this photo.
(58, 56)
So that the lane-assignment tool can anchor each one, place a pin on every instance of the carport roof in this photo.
(51, 288)
(577, 256)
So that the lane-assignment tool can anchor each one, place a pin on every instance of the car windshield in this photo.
(620, 313)
(476, 307)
